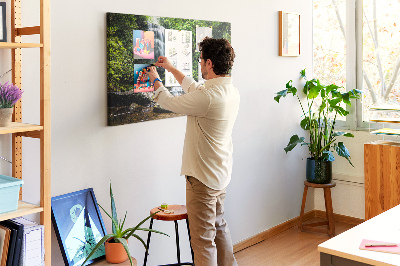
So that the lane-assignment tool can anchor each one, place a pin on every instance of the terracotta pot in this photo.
(5, 116)
(115, 252)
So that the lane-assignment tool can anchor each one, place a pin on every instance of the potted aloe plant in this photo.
(116, 243)
(324, 105)
(9, 95)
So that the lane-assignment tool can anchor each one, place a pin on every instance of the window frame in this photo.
(354, 69)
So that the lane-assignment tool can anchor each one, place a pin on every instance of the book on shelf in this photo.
(32, 250)
(15, 254)
(11, 245)
(4, 243)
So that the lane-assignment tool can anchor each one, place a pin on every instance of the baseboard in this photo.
(289, 224)
(271, 232)
(340, 218)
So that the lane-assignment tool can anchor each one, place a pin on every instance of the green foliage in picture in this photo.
(124, 105)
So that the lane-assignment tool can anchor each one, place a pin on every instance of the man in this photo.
(207, 155)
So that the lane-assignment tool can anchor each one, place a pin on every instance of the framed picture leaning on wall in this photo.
(3, 27)
(289, 34)
(78, 226)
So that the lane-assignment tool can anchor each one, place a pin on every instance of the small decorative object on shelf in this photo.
(9, 95)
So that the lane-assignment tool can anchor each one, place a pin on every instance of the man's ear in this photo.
(209, 63)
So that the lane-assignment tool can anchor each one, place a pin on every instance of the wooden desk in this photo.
(344, 248)
(105, 263)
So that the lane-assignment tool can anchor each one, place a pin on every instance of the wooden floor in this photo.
(290, 247)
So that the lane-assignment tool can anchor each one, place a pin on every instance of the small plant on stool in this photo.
(119, 235)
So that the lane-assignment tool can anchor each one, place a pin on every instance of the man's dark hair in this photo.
(220, 52)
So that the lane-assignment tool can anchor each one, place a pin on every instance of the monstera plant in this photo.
(324, 103)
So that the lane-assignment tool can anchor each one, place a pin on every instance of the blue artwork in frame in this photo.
(78, 226)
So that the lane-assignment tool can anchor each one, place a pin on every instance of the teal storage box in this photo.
(9, 193)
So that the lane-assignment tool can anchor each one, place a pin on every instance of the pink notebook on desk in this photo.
(391, 249)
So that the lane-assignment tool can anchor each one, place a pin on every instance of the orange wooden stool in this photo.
(179, 213)
(328, 207)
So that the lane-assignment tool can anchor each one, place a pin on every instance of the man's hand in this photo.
(164, 63)
(152, 72)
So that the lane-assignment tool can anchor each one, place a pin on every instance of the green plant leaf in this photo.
(305, 123)
(331, 88)
(341, 111)
(343, 151)
(322, 106)
(338, 133)
(334, 102)
(114, 222)
(137, 226)
(294, 140)
(355, 93)
(122, 224)
(101, 242)
(113, 211)
(140, 239)
(349, 135)
(152, 230)
(126, 247)
(327, 156)
(346, 98)
(280, 94)
(314, 92)
(303, 73)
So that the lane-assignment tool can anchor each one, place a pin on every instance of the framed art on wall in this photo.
(135, 42)
(78, 226)
(289, 34)
(3, 28)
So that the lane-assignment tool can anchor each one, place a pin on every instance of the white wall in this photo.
(143, 160)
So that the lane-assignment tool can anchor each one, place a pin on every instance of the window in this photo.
(363, 53)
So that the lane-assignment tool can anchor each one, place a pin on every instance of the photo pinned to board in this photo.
(143, 44)
(201, 33)
(178, 49)
(141, 79)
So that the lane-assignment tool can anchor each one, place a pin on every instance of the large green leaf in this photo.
(343, 151)
(334, 102)
(314, 92)
(331, 87)
(327, 156)
(346, 98)
(341, 111)
(280, 94)
(294, 140)
(355, 93)
(305, 123)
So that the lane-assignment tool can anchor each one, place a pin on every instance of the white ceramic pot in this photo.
(5, 116)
